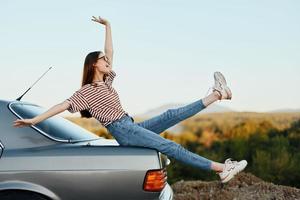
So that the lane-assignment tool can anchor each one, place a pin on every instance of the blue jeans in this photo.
(146, 134)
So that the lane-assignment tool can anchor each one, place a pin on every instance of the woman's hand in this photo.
(23, 122)
(100, 20)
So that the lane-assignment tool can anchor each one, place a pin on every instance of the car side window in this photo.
(56, 127)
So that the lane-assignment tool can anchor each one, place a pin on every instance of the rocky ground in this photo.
(244, 186)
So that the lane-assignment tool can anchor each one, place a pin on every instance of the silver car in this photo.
(57, 159)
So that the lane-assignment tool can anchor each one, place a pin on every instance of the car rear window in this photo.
(56, 126)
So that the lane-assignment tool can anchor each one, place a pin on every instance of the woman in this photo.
(97, 98)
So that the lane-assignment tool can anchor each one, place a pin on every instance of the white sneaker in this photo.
(221, 86)
(231, 169)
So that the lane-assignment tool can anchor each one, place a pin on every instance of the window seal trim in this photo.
(1, 145)
(2, 149)
(33, 126)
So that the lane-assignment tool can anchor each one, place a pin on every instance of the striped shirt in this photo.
(101, 100)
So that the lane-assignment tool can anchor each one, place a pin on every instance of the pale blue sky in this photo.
(165, 51)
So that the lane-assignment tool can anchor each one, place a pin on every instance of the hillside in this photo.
(244, 186)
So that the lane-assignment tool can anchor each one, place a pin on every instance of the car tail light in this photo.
(155, 180)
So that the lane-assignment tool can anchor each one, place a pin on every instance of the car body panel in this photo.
(96, 169)
(78, 157)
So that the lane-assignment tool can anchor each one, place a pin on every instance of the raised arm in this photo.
(49, 113)
(108, 47)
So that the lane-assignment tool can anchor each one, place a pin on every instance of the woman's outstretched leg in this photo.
(152, 127)
(134, 135)
(169, 118)
(130, 134)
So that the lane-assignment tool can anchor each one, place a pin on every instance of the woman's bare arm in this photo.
(108, 47)
(49, 113)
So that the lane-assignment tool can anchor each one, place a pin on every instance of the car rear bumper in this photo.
(166, 193)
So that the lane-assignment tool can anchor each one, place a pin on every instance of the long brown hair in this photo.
(88, 75)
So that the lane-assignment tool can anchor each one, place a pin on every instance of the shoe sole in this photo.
(231, 175)
(229, 93)
(220, 78)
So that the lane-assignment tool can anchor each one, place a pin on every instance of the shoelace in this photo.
(229, 162)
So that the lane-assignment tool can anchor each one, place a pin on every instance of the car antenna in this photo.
(18, 99)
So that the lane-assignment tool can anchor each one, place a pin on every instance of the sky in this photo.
(165, 51)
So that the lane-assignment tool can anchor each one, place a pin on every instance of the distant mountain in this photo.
(177, 128)
(159, 110)
(214, 108)
(285, 111)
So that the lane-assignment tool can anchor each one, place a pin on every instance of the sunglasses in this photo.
(103, 56)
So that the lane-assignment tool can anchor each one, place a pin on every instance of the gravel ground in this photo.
(244, 186)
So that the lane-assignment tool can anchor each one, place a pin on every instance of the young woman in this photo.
(97, 98)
